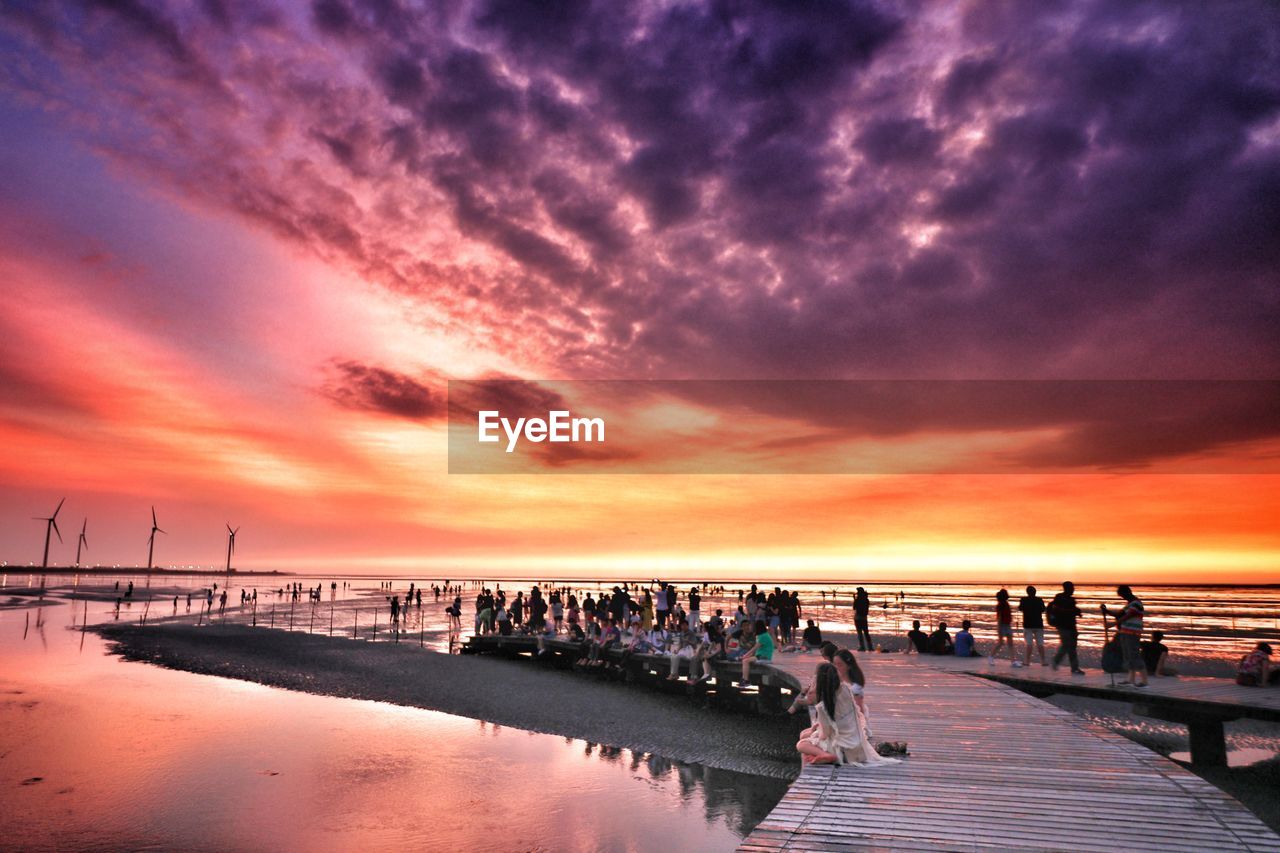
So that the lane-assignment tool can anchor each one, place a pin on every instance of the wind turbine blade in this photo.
(55, 529)
(154, 523)
(158, 530)
(59, 509)
(229, 530)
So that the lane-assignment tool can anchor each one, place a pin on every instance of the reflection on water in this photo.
(1235, 757)
(96, 752)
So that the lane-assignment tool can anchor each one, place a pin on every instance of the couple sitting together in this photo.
(837, 709)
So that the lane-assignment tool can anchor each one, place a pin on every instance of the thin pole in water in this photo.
(374, 635)
(273, 614)
(313, 619)
(255, 612)
(291, 614)
(331, 617)
(355, 624)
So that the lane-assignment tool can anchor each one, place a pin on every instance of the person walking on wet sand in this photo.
(1063, 614)
(861, 609)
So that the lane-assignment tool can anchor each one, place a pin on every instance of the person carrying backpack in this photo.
(1062, 614)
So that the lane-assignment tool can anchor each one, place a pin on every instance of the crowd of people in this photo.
(660, 618)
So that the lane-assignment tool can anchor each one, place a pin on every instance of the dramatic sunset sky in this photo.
(244, 244)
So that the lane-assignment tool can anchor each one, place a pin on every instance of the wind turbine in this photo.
(231, 547)
(151, 540)
(50, 527)
(83, 542)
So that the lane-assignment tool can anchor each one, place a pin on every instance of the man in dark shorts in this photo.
(1032, 608)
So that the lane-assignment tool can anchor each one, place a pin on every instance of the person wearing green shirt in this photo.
(762, 650)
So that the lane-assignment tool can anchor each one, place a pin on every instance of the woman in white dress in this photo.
(838, 736)
(851, 676)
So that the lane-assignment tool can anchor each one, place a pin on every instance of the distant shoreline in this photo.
(606, 579)
(128, 570)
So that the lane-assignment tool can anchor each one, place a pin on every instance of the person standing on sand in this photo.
(1129, 633)
(1032, 608)
(660, 606)
(1004, 627)
(861, 609)
(1063, 614)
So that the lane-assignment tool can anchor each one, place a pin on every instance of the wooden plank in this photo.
(992, 768)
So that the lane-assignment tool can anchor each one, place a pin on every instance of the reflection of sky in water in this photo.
(129, 754)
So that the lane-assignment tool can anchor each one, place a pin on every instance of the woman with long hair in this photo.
(854, 682)
(837, 737)
(837, 730)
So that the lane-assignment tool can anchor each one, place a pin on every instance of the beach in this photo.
(501, 692)
(569, 704)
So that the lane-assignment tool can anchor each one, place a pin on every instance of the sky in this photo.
(244, 245)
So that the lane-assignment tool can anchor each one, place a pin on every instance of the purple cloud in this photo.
(828, 189)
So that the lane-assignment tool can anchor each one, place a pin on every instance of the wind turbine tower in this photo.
(231, 546)
(51, 526)
(151, 540)
(83, 542)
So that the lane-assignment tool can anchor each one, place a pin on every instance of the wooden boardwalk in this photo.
(991, 768)
(1259, 703)
(994, 768)
(1202, 704)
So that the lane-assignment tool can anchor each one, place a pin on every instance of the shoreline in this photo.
(497, 691)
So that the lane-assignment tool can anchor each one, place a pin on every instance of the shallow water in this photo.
(99, 753)
(1207, 628)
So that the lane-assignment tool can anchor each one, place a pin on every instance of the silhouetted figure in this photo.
(1063, 614)
(940, 641)
(861, 609)
(917, 640)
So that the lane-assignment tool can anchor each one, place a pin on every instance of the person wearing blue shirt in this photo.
(964, 641)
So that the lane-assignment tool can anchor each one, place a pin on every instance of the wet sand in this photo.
(507, 693)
